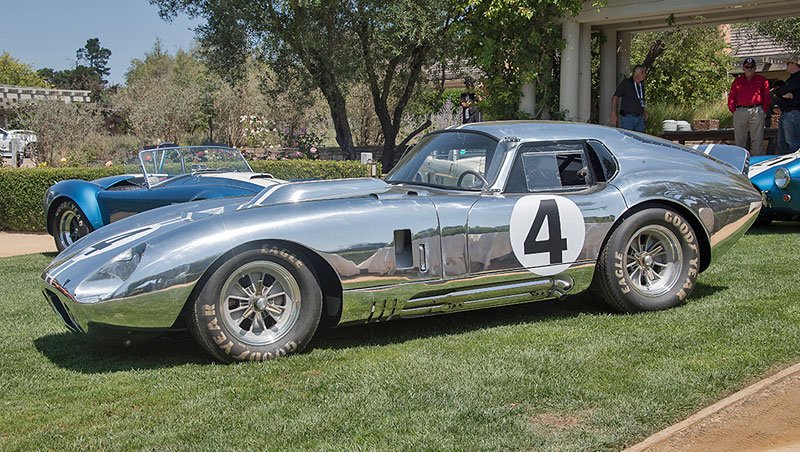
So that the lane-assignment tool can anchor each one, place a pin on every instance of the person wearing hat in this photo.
(749, 101)
(789, 94)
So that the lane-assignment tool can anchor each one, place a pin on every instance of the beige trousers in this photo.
(749, 120)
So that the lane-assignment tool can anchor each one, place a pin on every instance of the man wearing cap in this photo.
(749, 100)
(789, 94)
(631, 110)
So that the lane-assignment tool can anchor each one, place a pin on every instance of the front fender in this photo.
(82, 193)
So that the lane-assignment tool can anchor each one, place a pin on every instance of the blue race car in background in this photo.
(778, 179)
(174, 174)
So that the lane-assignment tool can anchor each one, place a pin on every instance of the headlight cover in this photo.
(782, 177)
(104, 282)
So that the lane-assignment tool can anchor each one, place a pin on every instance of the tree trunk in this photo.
(336, 102)
(387, 159)
(344, 136)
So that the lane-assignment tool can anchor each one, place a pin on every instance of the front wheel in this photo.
(69, 224)
(650, 262)
(259, 305)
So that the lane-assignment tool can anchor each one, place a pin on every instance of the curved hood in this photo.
(318, 190)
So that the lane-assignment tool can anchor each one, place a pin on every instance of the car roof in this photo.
(540, 130)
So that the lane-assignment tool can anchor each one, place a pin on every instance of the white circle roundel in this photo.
(547, 233)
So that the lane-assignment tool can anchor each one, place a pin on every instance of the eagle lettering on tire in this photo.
(650, 262)
(259, 305)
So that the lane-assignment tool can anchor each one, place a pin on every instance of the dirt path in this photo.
(762, 417)
(12, 244)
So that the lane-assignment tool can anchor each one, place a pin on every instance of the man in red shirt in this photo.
(749, 100)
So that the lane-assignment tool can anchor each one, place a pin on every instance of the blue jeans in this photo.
(631, 122)
(790, 124)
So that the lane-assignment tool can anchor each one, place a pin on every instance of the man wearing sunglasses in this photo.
(749, 100)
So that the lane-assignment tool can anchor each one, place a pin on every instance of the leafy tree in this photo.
(95, 56)
(61, 128)
(516, 42)
(89, 76)
(782, 31)
(693, 69)
(329, 44)
(14, 72)
(162, 97)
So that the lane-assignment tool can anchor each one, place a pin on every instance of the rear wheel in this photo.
(650, 262)
(69, 224)
(259, 305)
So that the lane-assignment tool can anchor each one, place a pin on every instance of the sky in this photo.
(47, 33)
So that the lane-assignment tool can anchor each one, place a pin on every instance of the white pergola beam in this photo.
(619, 12)
(585, 74)
(608, 74)
(570, 67)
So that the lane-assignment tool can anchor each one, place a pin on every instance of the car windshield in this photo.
(452, 159)
(161, 164)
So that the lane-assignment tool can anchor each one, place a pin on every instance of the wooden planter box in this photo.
(705, 124)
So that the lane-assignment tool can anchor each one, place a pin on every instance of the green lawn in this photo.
(564, 375)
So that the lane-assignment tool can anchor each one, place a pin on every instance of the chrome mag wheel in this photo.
(653, 260)
(69, 227)
(260, 302)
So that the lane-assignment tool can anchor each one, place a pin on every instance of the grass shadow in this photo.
(402, 330)
(776, 228)
(78, 353)
(399, 331)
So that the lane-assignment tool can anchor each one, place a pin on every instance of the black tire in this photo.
(239, 315)
(649, 263)
(69, 224)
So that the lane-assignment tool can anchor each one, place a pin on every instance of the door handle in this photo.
(423, 258)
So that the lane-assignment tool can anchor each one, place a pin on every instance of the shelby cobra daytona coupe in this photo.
(73, 208)
(481, 215)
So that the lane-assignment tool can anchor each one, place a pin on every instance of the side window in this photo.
(550, 166)
(605, 167)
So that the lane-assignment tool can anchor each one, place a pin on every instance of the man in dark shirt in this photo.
(631, 111)
(749, 101)
(790, 106)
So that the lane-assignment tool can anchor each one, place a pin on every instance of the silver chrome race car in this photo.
(476, 216)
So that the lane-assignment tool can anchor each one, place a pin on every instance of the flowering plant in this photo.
(299, 143)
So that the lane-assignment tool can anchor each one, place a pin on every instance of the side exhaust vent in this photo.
(403, 256)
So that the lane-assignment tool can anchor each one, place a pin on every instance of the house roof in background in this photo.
(746, 42)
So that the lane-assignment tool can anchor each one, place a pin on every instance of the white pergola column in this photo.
(528, 101)
(585, 74)
(570, 67)
(623, 55)
(608, 75)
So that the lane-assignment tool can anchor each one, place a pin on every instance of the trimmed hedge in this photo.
(311, 169)
(22, 190)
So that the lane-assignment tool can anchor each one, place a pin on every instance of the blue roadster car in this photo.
(778, 179)
(169, 175)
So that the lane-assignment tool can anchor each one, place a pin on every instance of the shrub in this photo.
(311, 169)
(660, 110)
(61, 128)
(22, 190)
